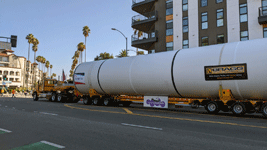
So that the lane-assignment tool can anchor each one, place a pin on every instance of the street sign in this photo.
(4, 83)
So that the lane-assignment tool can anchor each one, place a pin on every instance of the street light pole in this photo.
(124, 37)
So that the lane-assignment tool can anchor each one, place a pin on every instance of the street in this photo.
(28, 124)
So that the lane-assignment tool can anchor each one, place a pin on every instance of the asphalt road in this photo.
(27, 124)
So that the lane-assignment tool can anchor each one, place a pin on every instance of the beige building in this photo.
(15, 68)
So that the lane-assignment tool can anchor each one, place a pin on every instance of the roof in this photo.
(8, 50)
(3, 54)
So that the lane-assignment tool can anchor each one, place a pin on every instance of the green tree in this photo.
(86, 32)
(35, 47)
(51, 66)
(47, 64)
(123, 53)
(30, 39)
(81, 47)
(103, 56)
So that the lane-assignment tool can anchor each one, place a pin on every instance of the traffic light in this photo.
(13, 41)
(4, 78)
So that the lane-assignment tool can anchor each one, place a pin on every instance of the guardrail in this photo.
(145, 36)
(138, 1)
(146, 16)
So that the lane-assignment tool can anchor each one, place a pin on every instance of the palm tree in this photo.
(39, 59)
(86, 32)
(51, 66)
(43, 62)
(47, 64)
(30, 39)
(35, 47)
(81, 47)
(53, 75)
(123, 53)
(103, 56)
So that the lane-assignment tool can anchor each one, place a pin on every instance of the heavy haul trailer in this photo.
(227, 77)
(54, 90)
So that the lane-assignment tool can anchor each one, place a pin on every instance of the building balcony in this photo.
(145, 41)
(144, 22)
(262, 15)
(143, 6)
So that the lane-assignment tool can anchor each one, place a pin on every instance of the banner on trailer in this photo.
(156, 101)
(79, 78)
(226, 72)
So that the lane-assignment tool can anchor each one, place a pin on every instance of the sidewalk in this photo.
(17, 95)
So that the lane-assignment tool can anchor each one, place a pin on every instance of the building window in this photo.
(243, 13)
(244, 35)
(169, 24)
(264, 7)
(220, 39)
(169, 11)
(204, 3)
(185, 44)
(185, 24)
(219, 17)
(151, 51)
(205, 41)
(169, 32)
(219, 1)
(265, 32)
(204, 20)
(169, 46)
(185, 5)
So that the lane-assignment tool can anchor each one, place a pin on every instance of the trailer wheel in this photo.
(106, 101)
(264, 109)
(126, 104)
(59, 98)
(96, 101)
(238, 108)
(35, 96)
(212, 107)
(54, 97)
(87, 101)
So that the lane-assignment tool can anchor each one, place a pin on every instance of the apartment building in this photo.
(180, 24)
(15, 68)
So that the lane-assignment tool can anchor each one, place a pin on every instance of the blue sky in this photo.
(57, 24)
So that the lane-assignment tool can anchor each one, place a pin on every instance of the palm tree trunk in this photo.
(85, 50)
(81, 57)
(34, 56)
(29, 51)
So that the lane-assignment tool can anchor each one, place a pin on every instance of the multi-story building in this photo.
(181, 24)
(15, 69)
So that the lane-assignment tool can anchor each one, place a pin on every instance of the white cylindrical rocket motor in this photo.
(196, 72)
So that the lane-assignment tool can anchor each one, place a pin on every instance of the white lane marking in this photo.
(48, 113)
(154, 128)
(5, 130)
(53, 144)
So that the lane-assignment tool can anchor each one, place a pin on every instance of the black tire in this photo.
(59, 98)
(238, 108)
(96, 101)
(212, 107)
(106, 101)
(87, 101)
(126, 104)
(264, 109)
(35, 96)
(54, 97)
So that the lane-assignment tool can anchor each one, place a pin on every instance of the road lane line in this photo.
(147, 127)
(4, 130)
(128, 111)
(172, 118)
(48, 113)
(53, 144)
